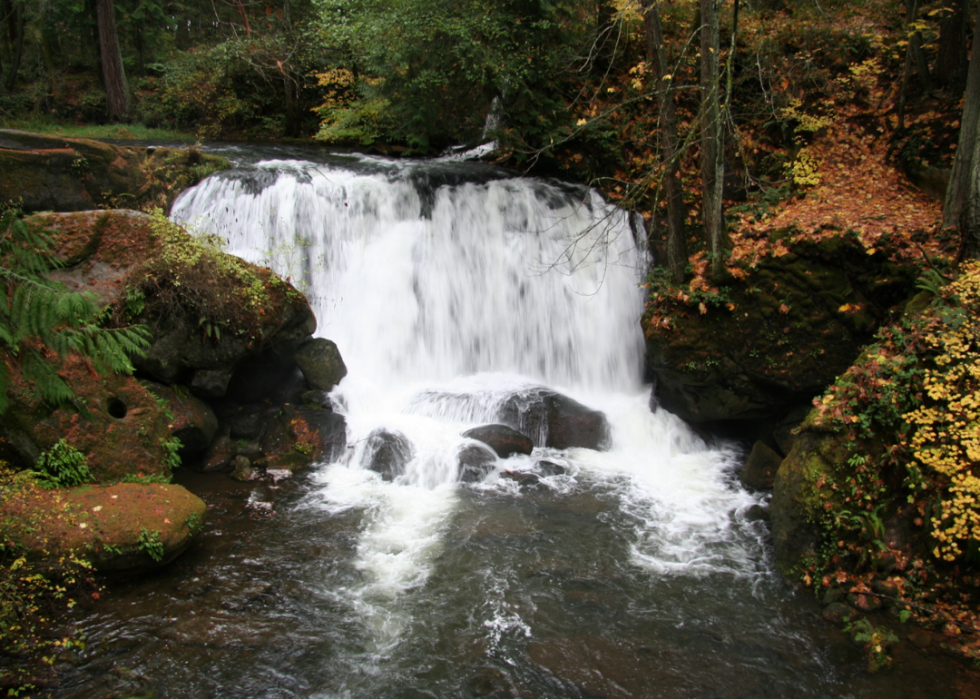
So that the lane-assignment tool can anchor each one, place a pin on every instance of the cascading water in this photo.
(458, 296)
(447, 297)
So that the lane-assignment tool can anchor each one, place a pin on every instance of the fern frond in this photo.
(37, 370)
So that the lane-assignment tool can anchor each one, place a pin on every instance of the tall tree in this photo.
(961, 208)
(113, 72)
(13, 15)
(712, 137)
(676, 213)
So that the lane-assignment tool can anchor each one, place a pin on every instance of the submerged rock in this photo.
(504, 440)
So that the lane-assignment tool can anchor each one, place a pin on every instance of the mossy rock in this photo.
(48, 173)
(115, 423)
(782, 334)
(207, 310)
(798, 498)
(128, 526)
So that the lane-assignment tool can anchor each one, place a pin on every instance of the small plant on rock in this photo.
(62, 466)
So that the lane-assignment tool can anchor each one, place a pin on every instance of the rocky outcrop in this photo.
(48, 173)
(190, 419)
(217, 323)
(777, 337)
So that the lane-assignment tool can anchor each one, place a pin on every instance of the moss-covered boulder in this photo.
(769, 341)
(208, 311)
(114, 422)
(129, 526)
(49, 173)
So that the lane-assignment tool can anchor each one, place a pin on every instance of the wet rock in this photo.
(321, 363)
(554, 420)
(550, 468)
(219, 456)
(863, 602)
(243, 469)
(475, 462)
(838, 613)
(290, 442)
(522, 478)
(757, 513)
(245, 422)
(802, 320)
(330, 429)
(504, 440)
(271, 376)
(387, 452)
(759, 472)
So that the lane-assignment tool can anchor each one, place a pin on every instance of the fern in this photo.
(42, 321)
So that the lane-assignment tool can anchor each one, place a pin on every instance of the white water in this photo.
(446, 299)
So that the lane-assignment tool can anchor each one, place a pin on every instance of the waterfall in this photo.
(449, 289)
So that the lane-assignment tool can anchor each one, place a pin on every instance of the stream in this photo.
(453, 289)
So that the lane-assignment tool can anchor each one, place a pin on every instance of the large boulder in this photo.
(504, 440)
(128, 526)
(208, 311)
(50, 173)
(321, 363)
(115, 422)
(785, 331)
(555, 420)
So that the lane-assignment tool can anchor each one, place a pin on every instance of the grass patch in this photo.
(136, 132)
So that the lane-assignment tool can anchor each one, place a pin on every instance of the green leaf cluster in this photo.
(41, 321)
(437, 66)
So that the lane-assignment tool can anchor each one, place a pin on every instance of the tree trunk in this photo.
(113, 73)
(712, 138)
(676, 213)
(951, 60)
(961, 207)
(16, 28)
